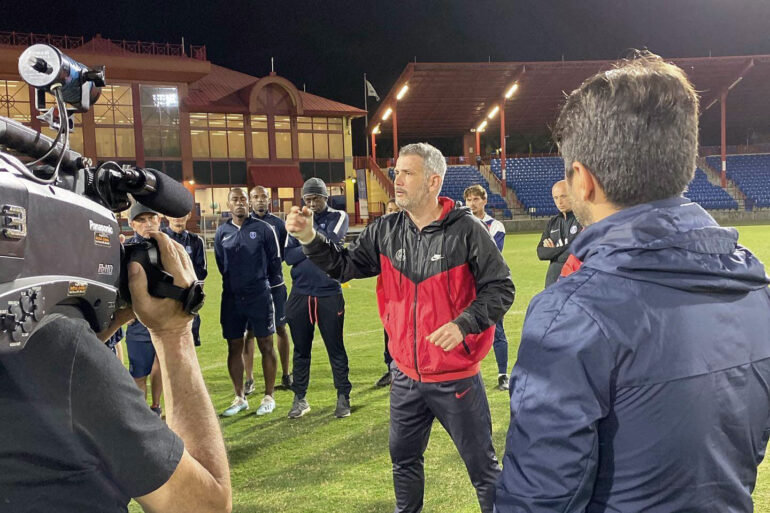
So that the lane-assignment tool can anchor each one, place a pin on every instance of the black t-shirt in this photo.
(75, 431)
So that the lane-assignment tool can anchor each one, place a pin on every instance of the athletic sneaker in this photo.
(248, 387)
(502, 382)
(299, 408)
(343, 407)
(156, 410)
(287, 381)
(239, 404)
(385, 380)
(266, 406)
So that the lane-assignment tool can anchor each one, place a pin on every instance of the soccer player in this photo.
(246, 251)
(142, 360)
(193, 245)
(260, 207)
(559, 233)
(317, 299)
(476, 199)
(641, 382)
(441, 288)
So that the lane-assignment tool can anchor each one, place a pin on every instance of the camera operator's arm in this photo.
(201, 481)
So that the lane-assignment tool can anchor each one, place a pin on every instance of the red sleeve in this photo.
(570, 266)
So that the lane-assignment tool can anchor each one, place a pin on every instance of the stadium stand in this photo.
(708, 195)
(532, 179)
(751, 173)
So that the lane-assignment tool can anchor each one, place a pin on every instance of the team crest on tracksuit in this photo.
(253, 235)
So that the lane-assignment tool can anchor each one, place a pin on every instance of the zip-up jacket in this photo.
(279, 226)
(307, 278)
(561, 231)
(248, 257)
(496, 230)
(193, 244)
(643, 378)
(450, 271)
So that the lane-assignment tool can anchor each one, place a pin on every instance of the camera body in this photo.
(56, 248)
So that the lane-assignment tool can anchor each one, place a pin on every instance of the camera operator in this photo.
(77, 435)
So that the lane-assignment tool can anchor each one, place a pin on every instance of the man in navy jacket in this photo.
(246, 250)
(317, 299)
(642, 378)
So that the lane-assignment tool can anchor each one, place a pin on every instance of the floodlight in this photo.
(494, 112)
(482, 126)
(512, 90)
(387, 114)
(402, 92)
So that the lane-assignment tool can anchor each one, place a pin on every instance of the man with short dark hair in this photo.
(317, 299)
(441, 287)
(558, 234)
(195, 248)
(246, 250)
(476, 199)
(259, 198)
(642, 378)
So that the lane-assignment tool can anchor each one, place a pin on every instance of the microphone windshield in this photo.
(171, 198)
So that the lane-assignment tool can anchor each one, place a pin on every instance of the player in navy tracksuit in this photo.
(259, 197)
(246, 251)
(316, 298)
(193, 244)
(476, 199)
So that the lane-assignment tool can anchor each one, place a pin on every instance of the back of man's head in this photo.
(635, 127)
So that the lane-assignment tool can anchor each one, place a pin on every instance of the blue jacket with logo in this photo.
(279, 226)
(306, 277)
(643, 379)
(193, 244)
(248, 257)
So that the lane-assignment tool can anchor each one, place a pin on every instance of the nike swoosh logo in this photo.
(555, 231)
(227, 237)
(434, 258)
(460, 395)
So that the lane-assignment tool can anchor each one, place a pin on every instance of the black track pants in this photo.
(302, 313)
(462, 408)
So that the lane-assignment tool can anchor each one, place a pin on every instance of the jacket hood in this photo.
(674, 243)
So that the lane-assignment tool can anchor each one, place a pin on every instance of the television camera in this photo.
(59, 238)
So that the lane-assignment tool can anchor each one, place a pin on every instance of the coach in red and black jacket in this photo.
(441, 288)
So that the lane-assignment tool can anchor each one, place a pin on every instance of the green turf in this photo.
(320, 463)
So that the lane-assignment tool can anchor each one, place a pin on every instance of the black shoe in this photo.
(385, 380)
(502, 382)
(343, 407)
(287, 381)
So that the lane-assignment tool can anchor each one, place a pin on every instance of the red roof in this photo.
(449, 99)
(226, 90)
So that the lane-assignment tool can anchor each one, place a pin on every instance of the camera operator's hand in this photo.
(162, 315)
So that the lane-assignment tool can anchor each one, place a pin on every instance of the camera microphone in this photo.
(153, 188)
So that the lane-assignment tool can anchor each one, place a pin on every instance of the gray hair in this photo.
(433, 161)
(635, 127)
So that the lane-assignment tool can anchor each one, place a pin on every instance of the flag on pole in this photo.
(370, 90)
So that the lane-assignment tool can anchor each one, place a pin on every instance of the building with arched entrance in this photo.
(168, 107)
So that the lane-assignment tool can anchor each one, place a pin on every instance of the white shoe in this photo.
(239, 404)
(266, 406)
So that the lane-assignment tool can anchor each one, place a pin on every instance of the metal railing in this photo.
(103, 45)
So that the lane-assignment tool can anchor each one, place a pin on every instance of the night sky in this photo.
(327, 45)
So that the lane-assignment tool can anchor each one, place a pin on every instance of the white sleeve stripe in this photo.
(337, 228)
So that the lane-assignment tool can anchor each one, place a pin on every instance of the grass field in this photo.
(322, 464)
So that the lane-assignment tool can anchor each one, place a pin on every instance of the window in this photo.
(217, 136)
(260, 148)
(76, 136)
(14, 100)
(320, 138)
(282, 137)
(285, 193)
(160, 120)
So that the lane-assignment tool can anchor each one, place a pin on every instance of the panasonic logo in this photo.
(102, 228)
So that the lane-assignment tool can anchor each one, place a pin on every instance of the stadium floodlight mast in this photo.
(507, 96)
(375, 131)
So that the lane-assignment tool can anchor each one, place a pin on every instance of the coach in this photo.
(642, 379)
(442, 286)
